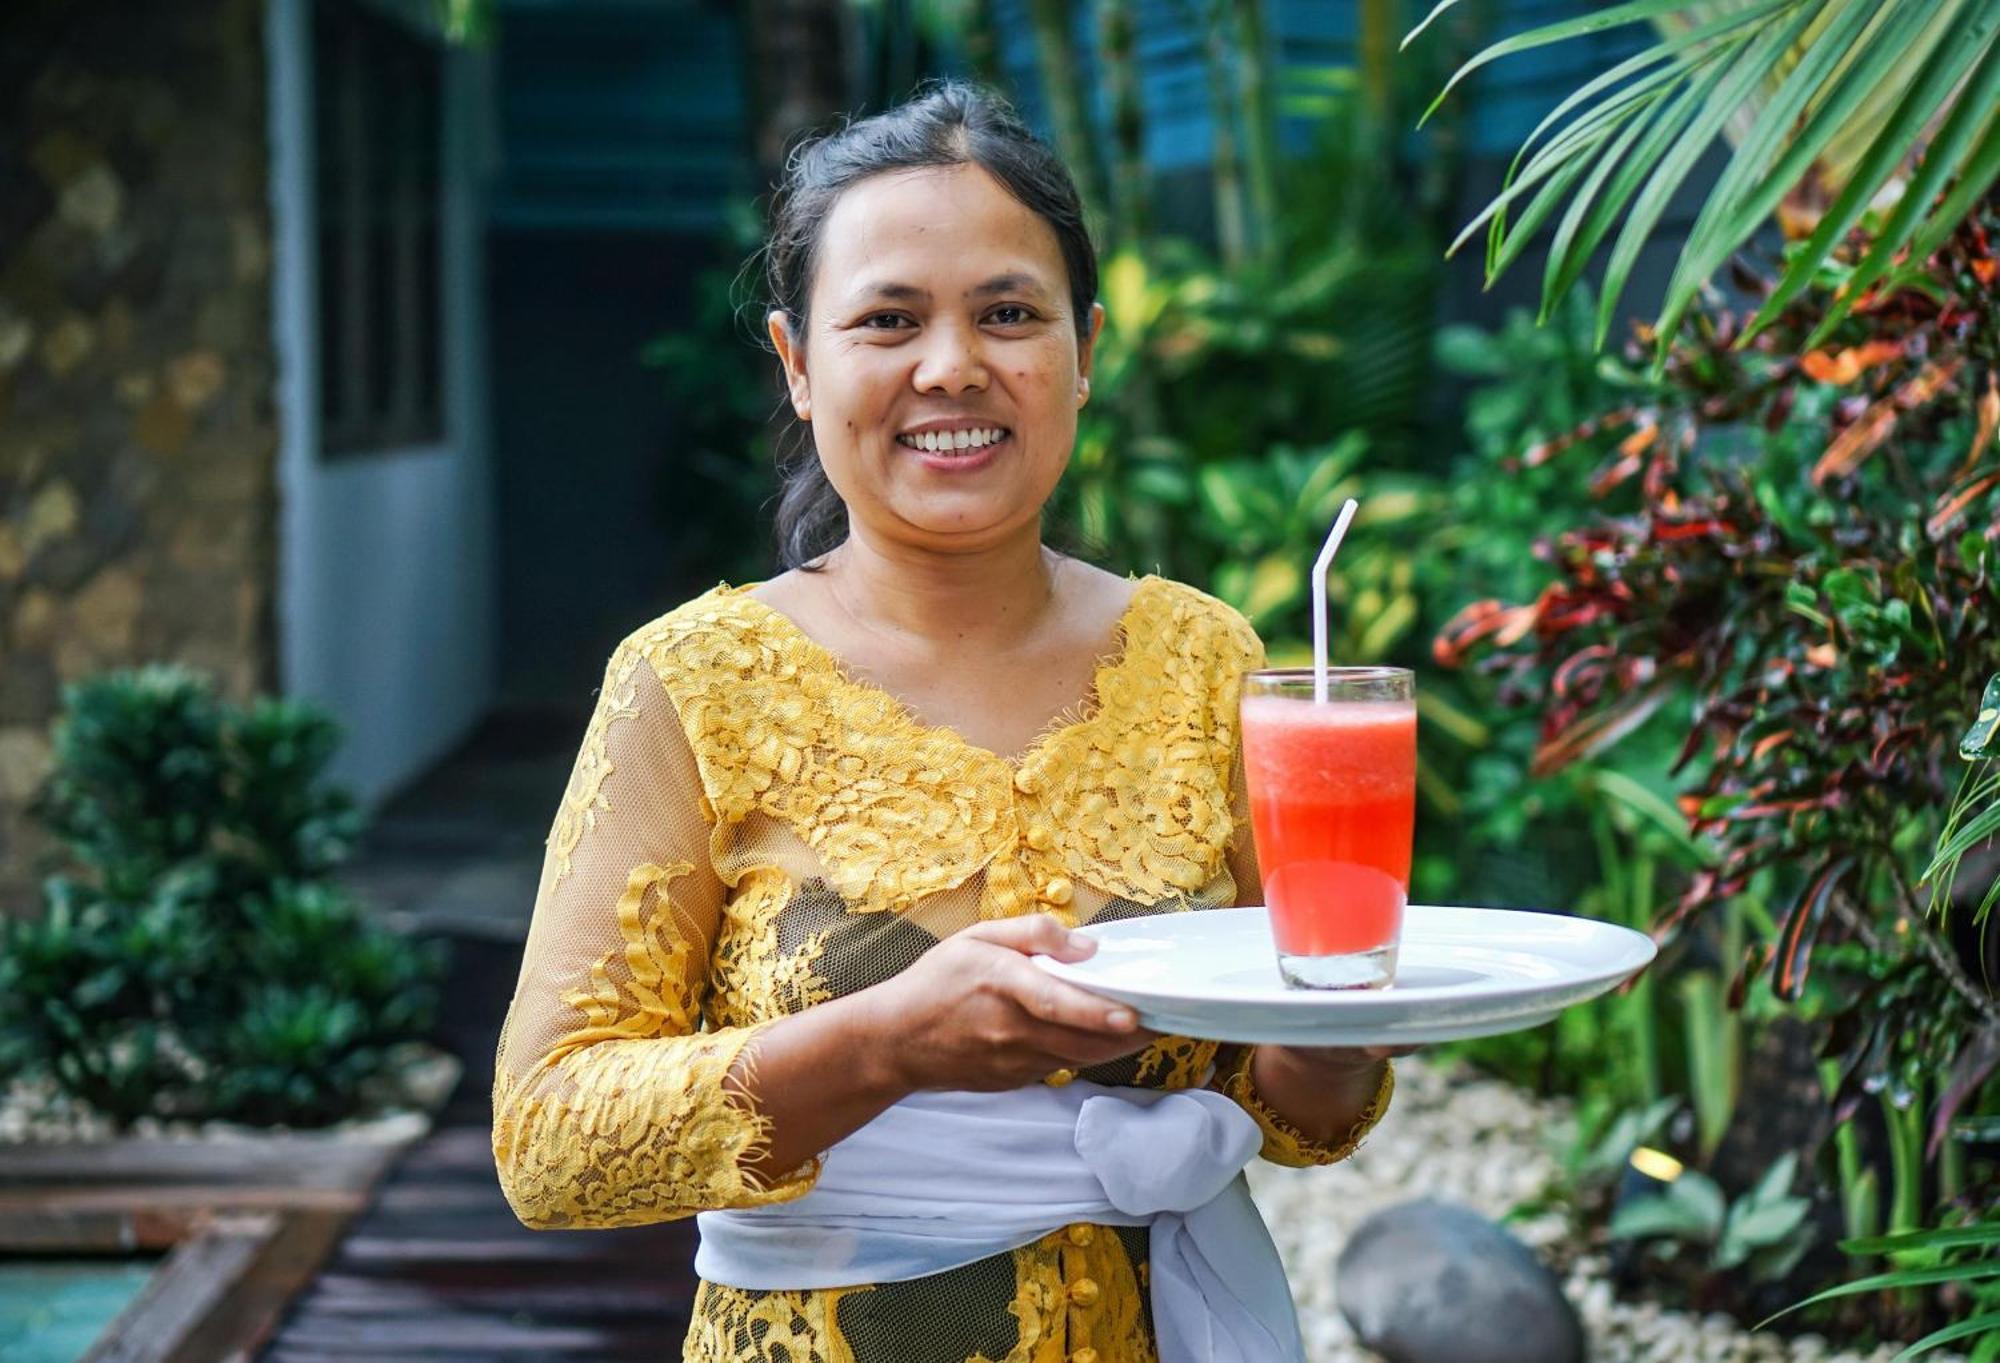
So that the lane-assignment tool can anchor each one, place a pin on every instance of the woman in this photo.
(779, 968)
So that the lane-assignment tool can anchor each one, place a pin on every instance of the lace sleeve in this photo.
(611, 1107)
(1284, 1143)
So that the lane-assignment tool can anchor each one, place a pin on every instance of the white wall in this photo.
(386, 610)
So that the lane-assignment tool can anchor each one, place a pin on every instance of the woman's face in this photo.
(939, 315)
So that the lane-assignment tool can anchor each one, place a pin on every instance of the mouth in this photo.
(967, 444)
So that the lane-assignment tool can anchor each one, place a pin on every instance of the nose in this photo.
(951, 360)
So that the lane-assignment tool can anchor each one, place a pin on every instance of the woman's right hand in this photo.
(975, 1013)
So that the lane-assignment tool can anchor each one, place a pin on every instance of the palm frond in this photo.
(1884, 105)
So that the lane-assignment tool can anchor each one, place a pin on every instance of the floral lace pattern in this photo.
(750, 831)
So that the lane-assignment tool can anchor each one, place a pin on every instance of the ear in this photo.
(791, 354)
(1087, 351)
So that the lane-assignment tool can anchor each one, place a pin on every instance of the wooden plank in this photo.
(340, 1294)
(478, 1335)
(39, 1229)
(249, 1313)
(285, 1161)
(170, 1199)
(188, 1286)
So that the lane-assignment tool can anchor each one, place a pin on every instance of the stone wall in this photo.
(137, 431)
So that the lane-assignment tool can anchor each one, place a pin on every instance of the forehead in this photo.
(941, 228)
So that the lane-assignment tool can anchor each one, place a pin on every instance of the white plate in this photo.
(1460, 973)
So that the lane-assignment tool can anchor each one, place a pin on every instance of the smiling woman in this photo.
(779, 969)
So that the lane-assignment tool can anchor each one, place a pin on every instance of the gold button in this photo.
(1083, 1292)
(1081, 1235)
(1058, 1078)
(1058, 890)
(1041, 837)
(1024, 781)
(1084, 1356)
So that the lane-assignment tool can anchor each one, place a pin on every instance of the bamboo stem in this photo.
(1062, 88)
(1260, 128)
(1131, 209)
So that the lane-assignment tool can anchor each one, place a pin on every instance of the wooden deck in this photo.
(439, 1268)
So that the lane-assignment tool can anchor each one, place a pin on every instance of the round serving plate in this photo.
(1461, 972)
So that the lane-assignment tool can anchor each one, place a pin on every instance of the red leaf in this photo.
(1594, 733)
(1801, 929)
(1851, 448)
(1975, 1062)
(1505, 624)
(1754, 962)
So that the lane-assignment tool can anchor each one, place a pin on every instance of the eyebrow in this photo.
(1014, 281)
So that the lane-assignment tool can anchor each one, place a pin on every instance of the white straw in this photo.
(1320, 565)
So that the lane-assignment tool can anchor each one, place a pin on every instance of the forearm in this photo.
(1325, 1105)
(815, 1077)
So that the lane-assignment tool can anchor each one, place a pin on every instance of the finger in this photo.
(1036, 933)
(1070, 1048)
(1047, 999)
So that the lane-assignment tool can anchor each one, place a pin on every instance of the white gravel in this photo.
(1458, 1137)
(400, 1105)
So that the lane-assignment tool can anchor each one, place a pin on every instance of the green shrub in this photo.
(195, 960)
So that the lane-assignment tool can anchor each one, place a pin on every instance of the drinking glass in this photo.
(1333, 807)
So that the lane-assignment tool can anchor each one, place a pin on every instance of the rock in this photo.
(26, 759)
(195, 378)
(1429, 1282)
(104, 612)
(163, 426)
(93, 200)
(68, 344)
(17, 336)
(34, 620)
(52, 514)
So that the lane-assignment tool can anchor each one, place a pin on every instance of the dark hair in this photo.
(948, 123)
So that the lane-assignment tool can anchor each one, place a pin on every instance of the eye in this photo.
(1011, 314)
(876, 321)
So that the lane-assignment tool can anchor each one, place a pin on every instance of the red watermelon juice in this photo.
(1332, 808)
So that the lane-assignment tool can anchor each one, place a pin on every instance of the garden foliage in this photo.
(196, 959)
(1798, 546)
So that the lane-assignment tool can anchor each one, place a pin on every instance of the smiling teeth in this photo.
(935, 442)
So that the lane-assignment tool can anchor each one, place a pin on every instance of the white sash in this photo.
(943, 1179)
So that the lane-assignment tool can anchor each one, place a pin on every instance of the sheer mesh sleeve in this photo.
(611, 1107)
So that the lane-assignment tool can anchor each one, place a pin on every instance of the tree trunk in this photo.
(982, 45)
(1226, 175)
(1131, 210)
(798, 72)
(1260, 127)
(1062, 89)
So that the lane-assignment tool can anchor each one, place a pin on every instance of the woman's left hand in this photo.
(1322, 1090)
(1337, 1061)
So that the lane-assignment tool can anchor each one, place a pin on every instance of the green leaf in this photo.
(1978, 740)
(1743, 72)
(1679, 139)
(1886, 153)
(1768, 1223)
(1589, 131)
(1977, 1235)
(1589, 216)
(1964, 1329)
(1943, 157)
(1692, 1207)
(1910, 1277)
(1838, 70)
(1657, 1215)
(1632, 12)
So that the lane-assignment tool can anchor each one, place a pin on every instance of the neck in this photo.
(995, 597)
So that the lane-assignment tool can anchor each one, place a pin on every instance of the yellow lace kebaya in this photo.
(749, 831)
